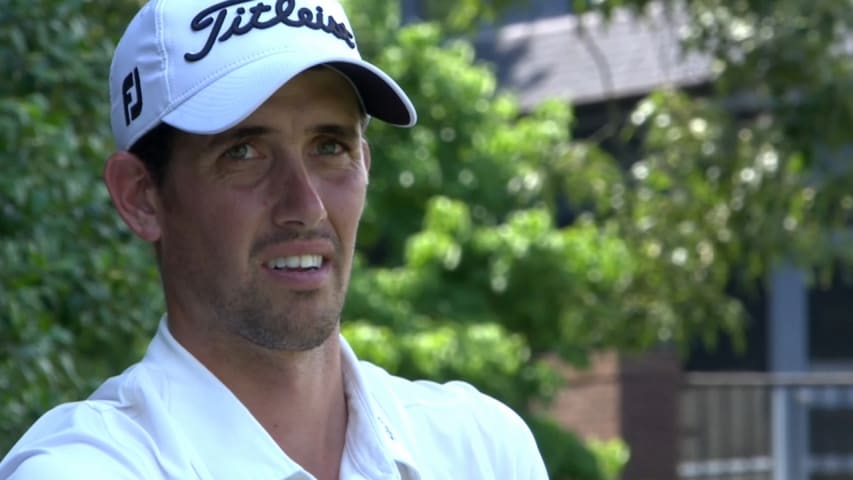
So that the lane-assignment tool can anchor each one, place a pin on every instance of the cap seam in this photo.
(159, 25)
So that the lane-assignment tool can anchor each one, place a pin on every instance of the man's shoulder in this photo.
(487, 436)
(453, 397)
(73, 438)
(73, 462)
(107, 430)
(453, 429)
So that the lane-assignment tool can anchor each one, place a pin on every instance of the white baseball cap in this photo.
(204, 66)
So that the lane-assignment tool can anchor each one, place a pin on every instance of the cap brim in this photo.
(381, 95)
(216, 106)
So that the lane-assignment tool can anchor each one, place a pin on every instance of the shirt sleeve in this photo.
(514, 449)
(74, 441)
(527, 462)
(530, 463)
(71, 463)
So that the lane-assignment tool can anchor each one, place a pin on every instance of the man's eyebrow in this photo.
(235, 134)
(336, 130)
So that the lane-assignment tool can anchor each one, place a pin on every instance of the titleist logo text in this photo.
(262, 16)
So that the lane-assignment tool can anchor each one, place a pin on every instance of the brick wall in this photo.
(590, 404)
(633, 397)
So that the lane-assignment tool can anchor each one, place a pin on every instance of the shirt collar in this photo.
(222, 429)
(368, 421)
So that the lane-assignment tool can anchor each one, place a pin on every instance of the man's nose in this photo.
(298, 201)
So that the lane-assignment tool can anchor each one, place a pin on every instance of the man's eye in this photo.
(330, 147)
(241, 151)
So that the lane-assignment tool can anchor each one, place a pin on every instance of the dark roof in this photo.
(627, 56)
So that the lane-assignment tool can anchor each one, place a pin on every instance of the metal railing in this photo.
(766, 426)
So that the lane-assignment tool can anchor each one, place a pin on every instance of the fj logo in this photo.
(131, 93)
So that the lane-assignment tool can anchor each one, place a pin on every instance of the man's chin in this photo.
(293, 330)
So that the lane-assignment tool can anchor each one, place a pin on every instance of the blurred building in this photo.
(781, 411)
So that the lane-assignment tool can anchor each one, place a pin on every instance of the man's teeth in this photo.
(296, 262)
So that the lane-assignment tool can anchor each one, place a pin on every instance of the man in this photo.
(241, 159)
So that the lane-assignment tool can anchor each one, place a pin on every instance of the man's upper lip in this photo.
(293, 248)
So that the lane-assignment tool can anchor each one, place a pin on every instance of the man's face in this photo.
(258, 223)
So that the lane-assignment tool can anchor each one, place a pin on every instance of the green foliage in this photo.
(569, 458)
(78, 297)
(611, 455)
(449, 151)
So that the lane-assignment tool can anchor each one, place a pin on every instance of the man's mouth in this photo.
(296, 262)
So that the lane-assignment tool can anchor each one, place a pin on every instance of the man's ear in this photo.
(134, 194)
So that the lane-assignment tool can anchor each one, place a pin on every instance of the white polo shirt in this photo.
(168, 417)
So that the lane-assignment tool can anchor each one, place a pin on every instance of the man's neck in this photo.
(298, 397)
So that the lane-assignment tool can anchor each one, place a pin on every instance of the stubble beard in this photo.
(298, 326)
